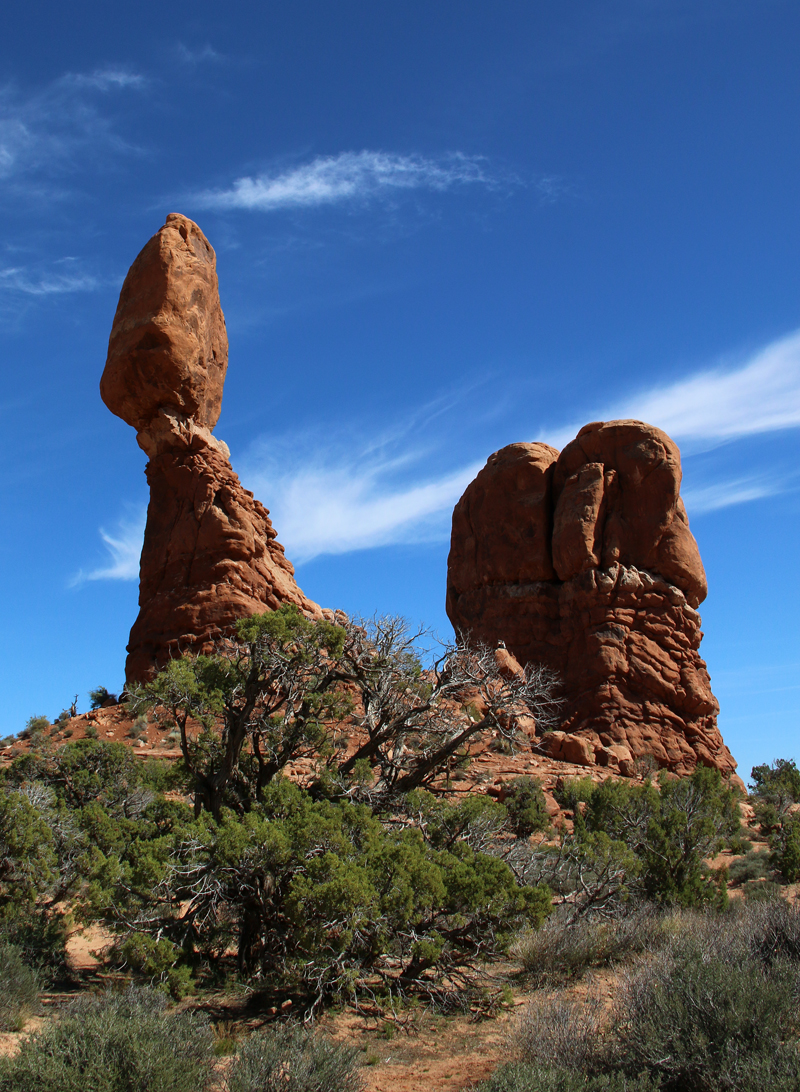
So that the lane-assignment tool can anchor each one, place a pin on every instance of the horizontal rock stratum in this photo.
(584, 561)
(210, 553)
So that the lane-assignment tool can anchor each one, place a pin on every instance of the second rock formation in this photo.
(584, 561)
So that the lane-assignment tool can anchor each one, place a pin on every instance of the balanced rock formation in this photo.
(584, 561)
(210, 554)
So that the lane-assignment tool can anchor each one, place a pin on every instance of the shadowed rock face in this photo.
(210, 554)
(584, 561)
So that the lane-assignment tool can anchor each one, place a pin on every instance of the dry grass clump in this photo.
(559, 1031)
(563, 949)
(709, 1003)
(19, 989)
(293, 1059)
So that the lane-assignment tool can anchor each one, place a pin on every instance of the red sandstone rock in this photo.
(210, 554)
(168, 348)
(488, 548)
(639, 518)
(615, 616)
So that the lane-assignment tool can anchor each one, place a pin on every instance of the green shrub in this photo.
(523, 1077)
(98, 696)
(526, 807)
(157, 961)
(125, 1042)
(776, 786)
(27, 852)
(82, 772)
(753, 866)
(574, 790)
(671, 830)
(785, 844)
(34, 726)
(761, 891)
(698, 1021)
(325, 895)
(19, 988)
(292, 1059)
(41, 936)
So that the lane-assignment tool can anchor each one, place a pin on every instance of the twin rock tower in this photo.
(582, 560)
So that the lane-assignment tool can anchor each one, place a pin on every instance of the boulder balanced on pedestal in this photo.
(210, 553)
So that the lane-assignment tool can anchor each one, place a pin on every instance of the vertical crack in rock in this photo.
(210, 553)
(584, 561)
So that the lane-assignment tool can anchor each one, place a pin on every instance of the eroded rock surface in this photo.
(584, 561)
(210, 554)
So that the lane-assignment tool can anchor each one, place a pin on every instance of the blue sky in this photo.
(440, 228)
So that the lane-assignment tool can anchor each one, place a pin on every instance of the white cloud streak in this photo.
(19, 280)
(350, 176)
(124, 548)
(725, 494)
(110, 79)
(198, 56)
(335, 503)
(335, 509)
(44, 132)
(720, 404)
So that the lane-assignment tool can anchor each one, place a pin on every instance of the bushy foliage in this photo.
(323, 893)
(786, 849)
(775, 789)
(40, 934)
(700, 1021)
(293, 1059)
(35, 726)
(524, 1077)
(19, 988)
(28, 858)
(99, 695)
(526, 807)
(713, 1008)
(591, 874)
(571, 791)
(754, 865)
(125, 1042)
(286, 687)
(776, 794)
(81, 772)
(671, 830)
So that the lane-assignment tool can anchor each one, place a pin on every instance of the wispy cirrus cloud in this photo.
(124, 548)
(198, 55)
(336, 506)
(328, 499)
(333, 504)
(700, 499)
(106, 79)
(43, 132)
(349, 176)
(21, 279)
(715, 405)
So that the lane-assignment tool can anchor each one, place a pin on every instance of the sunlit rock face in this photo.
(584, 561)
(210, 553)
